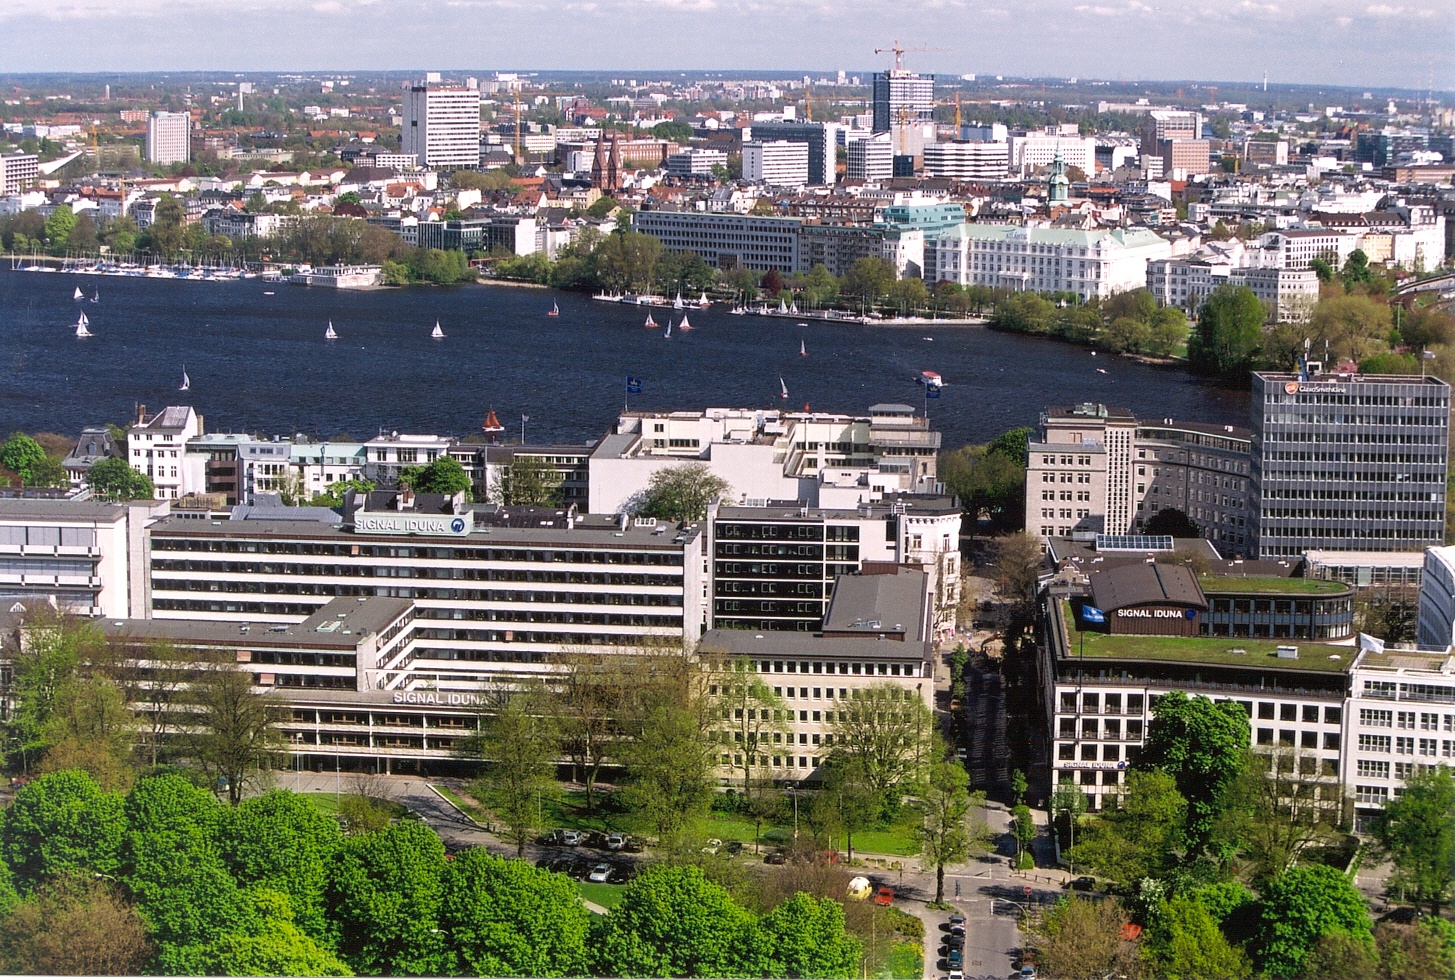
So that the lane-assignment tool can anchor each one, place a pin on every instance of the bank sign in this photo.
(444, 525)
(1157, 613)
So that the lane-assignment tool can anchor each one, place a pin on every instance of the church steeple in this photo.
(1059, 189)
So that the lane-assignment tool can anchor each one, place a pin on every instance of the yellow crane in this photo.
(899, 52)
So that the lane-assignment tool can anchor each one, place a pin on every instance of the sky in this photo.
(1401, 43)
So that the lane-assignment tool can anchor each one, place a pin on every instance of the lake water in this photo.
(260, 363)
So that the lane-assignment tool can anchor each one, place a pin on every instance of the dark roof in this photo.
(1090, 410)
(1138, 585)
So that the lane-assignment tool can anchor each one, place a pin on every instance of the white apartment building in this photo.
(813, 458)
(1041, 259)
(1401, 719)
(779, 163)
(157, 446)
(78, 553)
(964, 160)
(18, 171)
(441, 127)
(727, 241)
(1295, 248)
(1031, 151)
(1437, 600)
(693, 162)
(870, 159)
(1187, 281)
(169, 138)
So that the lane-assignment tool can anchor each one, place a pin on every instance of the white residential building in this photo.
(693, 162)
(779, 163)
(1031, 151)
(1186, 281)
(441, 126)
(157, 446)
(1041, 259)
(169, 137)
(871, 159)
(18, 171)
(964, 160)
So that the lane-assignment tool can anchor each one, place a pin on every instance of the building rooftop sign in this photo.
(437, 525)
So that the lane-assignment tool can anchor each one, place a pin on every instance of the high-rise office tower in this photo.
(442, 126)
(169, 137)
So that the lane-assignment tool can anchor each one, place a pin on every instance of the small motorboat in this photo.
(931, 379)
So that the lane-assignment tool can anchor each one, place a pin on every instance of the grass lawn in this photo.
(568, 811)
(470, 807)
(904, 962)
(1270, 584)
(607, 896)
(328, 803)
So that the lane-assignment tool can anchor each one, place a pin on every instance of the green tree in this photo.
(1202, 745)
(266, 943)
(627, 260)
(908, 295)
(50, 472)
(1174, 522)
(586, 696)
(282, 842)
(671, 922)
(1023, 313)
(669, 761)
(1168, 332)
(82, 237)
(681, 493)
(519, 744)
(508, 919)
(58, 227)
(57, 648)
(1083, 939)
(602, 207)
(531, 482)
(820, 287)
(234, 729)
(1185, 943)
(868, 279)
(1299, 908)
(889, 733)
(442, 475)
(1023, 828)
(803, 937)
(92, 726)
(1229, 332)
(334, 495)
(1355, 327)
(1322, 269)
(1424, 950)
(1140, 838)
(1356, 271)
(1417, 831)
(749, 713)
(1017, 566)
(114, 481)
(855, 801)
(944, 835)
(385, 894)
(74, 926)
(62, 823)
(990, 485)
(21, 455)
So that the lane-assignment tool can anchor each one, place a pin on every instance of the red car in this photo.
(884, 896)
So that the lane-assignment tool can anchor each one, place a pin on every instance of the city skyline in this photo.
(1343, 43)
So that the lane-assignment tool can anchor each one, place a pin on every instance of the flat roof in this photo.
(1272, 585)
(591, 531)
(1257, 655)
(879, 603)
(1370, 559)
(1432, 661)
(785, 643)
(39, 508)
(340, 624)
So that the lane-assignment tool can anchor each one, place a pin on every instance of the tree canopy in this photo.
(1229, 332)
(681, 492)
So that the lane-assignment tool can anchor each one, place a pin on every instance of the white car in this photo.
(615, 842)
(600, 873)
(572, 838)
(955, 975)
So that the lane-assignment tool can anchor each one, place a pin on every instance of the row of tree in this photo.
(165, 879)
(1231, 861)
(37, 461)
(1128, 322)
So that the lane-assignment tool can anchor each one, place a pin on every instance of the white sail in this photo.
(186, 384)
(85, 320)
(802, 349)
(669, 328)
(96, 297)
(78, 294)
(437, 333)
(782, 307)
(703, 301)
(650, 322)
(81, 330)
(329, 334)
(677, 303)
(784, 386)
(684, 325)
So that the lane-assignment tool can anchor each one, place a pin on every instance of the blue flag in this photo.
(1091, 614)
(932, 391)
(634, 386)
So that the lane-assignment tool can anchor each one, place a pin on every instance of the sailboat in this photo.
(684, 325)
(78, 294)
(81, 324)
(782, 306)
(703, 301)
(783, 386)
(186, 384)
(650, 324)
(329, 334)
(677, 303)
(802, 349)
(492, 426)
(96, 298)
(437, 333)
(669, 328)
(555, 309)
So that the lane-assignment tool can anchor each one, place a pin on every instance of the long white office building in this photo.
(966, 160)
(1437, 599)
(1041, 259)
(779, 163)
(727, 241)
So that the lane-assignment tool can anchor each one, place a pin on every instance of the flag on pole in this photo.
(1091, 614)
(634, 386)
(1371, 643)
(932, 391)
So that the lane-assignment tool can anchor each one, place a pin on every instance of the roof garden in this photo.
(1270, 584)
(1230, 651)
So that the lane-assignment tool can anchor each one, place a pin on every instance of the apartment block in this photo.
(169, 138)
(780, 163)
(157, 446)
(1041, 259)
(727, 241)
(18, 171)
(965, 160)
(441, 127)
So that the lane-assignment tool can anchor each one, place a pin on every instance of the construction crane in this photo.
(899, 53)
(807, 104)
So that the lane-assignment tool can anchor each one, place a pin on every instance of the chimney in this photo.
(406, 498)
(141, 414)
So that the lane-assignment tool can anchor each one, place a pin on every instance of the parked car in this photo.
(572, 838)
(634, 845)
(622, 873)
(562, 864)
(593, 838)
(1028, 973)
(776, 857)
(581, 867)
(884, 896)
(601, 873)
(953, 941)
(615, 842)
(955, 975)
(957, 919)
(1085, 883)
(554, 837)
(955, 959)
